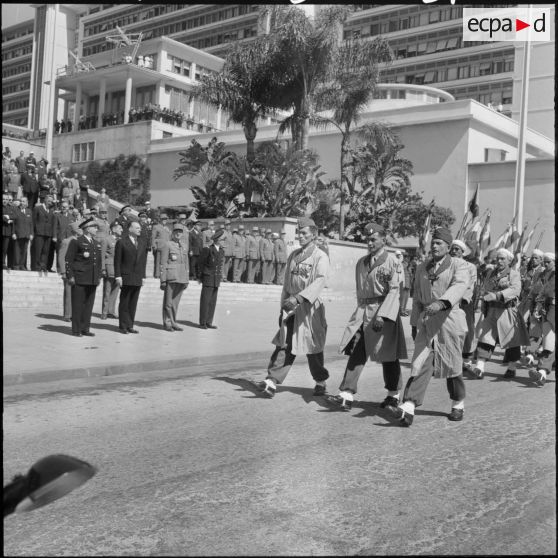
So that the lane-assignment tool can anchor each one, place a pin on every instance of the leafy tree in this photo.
(125, 178)
(412, 217)
(213, 195)
(326, 216)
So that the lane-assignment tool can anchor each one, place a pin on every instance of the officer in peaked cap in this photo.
(83, 272)
(211, 272)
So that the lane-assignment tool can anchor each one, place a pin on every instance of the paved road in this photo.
(200, 465)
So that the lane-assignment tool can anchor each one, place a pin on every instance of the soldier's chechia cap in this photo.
(372, 228)
(306, 222)
(124, 207)
(91, 222)
(441, 233)
(218, 234)
(164, 216)
(178, 227)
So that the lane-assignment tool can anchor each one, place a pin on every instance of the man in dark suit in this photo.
(8, 218)
(211, 270)
(23, 231)
(83, 273)
(196, 244)
(61, 229)
(30, 187)
(43, 221)
(130, 258)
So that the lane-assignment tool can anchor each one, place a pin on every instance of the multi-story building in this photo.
(426, 39)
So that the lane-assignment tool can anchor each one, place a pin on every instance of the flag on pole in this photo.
(512, 238)
(517, 249)
(527, 241)
(424, 240)
(484, 238)
(472, 236)
(474, 204)
(503, 238)
(470, 215)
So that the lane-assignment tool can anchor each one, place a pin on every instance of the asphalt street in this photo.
(201, 465)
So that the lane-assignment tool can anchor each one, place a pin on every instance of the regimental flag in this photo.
(517, 249)
(527, 240)
(424, 240)
(472, 236)
(512, 239)
(470, 215)
(484, 238)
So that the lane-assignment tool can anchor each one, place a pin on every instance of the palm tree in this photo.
(302, 51)
(350, 86)
(243, 89)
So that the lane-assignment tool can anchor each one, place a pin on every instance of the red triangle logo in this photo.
(519, 25)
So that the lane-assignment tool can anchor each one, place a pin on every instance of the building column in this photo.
(128, 99)
(109, 101)
(77, 109)
(56, 103)
(102, 93)
(158, 88)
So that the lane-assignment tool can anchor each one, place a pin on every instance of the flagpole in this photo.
(520, 165)
(540, 238)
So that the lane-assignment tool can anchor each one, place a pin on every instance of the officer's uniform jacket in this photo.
(306, 275)
(252, 248)
(174, 262)
(211, 266)
(280, 251)
(103, 229)
(446, 330)
(239, 246)
(61, 258)
(207, 237)
(61, 222)
(470, 292)
(108, 244)
(83, 261)
(378, 286)
(266, 249)
(502, 322)
(227, 244)
(161, 235)
(545, 304)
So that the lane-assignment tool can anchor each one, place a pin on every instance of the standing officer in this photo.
(110, 286)
(211, 270)
(228, 248)
(195, 246)
(161, 235)
(280, 257)
(207, 234)
(174, 276)
(43, 222)
(8, 220)
(439, 327)
(73, 232)
(375, 330)
(83, 272)
(266, 255)
(130, 258)
(252, 255)
(302, 322)
(239, 253)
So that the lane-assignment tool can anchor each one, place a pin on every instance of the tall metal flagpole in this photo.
(520, 166)
(51, 89)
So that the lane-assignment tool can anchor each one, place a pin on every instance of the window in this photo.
(421, 48)
(441, 45)
(463, 72)
(431, 47)
(452, 74)
(82, 152)
(453, 42)
(430, 77)
(485, 69)
(434, 17)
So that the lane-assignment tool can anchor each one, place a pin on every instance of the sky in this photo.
(16, 13)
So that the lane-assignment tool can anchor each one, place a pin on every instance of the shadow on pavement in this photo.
(243, 384)
(56, 328)
(188, 323)
(50, 316)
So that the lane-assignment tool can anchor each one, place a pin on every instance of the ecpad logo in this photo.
(506, 24)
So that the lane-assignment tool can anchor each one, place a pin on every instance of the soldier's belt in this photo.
(499, 304)
(373, 300)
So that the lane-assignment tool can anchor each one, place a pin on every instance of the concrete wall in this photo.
(496, 192)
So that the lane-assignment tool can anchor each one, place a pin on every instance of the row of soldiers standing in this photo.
(256, 256)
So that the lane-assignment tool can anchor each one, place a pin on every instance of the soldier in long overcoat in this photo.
(439, 327)
(545, 312)
(239, 253)
(302, 323)
(502, 322)
(374, 330)
(111, 288)
(160, 236)
(174, 276)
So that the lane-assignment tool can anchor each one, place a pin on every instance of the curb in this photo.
(245, 360)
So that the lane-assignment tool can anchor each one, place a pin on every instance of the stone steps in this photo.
(30, 289)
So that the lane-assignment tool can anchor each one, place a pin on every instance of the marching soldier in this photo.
(83, 272)
(545, 311)
(458, 250)
(174, 276)
(502, 323)
(302, 322)
(375, 330)
(438, 326)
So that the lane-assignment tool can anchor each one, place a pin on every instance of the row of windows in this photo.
(17, 33)
(494, 93)
(218, 39)
(196, 19)
(15, 105)
(83, 152)
(14, 88)
(423, 74)
(17, 52)
(16, 70)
